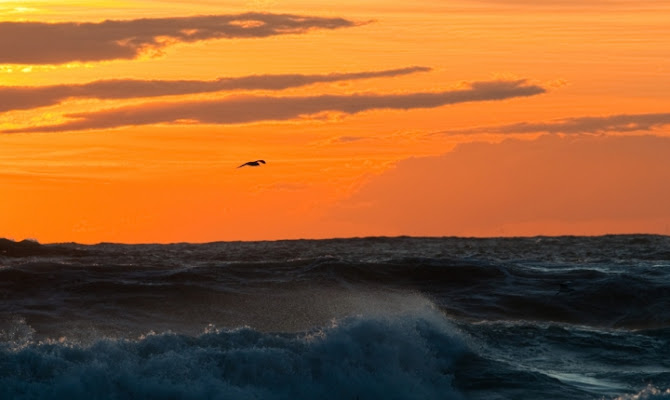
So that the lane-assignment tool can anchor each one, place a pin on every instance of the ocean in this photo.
(364, 318)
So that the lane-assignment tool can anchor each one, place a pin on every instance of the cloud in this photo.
(348, 139)
(611, 123)
(27, 97)
(58, 43)
(246, 109)
(570, 4)
(552, 185)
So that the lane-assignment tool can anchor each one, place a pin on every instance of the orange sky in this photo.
(125, 121)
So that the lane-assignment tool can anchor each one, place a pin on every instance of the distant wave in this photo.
(29, 248)
(618, 282)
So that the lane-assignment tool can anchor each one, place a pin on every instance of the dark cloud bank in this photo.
(27, 97)
(598, 124)
(245, 109)
(58, 43)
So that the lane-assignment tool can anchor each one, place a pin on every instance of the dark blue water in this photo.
(372, 318)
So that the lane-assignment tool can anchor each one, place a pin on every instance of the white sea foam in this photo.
(400, 356)
(648, 393)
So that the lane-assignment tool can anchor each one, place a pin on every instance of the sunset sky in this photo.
(125, 121)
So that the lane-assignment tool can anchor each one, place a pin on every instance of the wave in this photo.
(602, 362)
(400, 347)
(30, 248)
(648, 393)
(391, 357)
(629, 296)
(522, 318)
(567, 248)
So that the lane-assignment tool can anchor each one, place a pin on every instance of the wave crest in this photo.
(648, 393)
(405, 356)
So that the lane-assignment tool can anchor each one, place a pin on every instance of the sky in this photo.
(125, 121)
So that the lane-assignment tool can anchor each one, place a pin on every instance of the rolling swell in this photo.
(617, 282)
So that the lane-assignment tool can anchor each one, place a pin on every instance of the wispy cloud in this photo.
(246, 109)
(601, 124)
(347, 139)
(575, 4)
(27, 97)
(58, 43)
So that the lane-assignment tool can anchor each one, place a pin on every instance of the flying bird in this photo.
(252, 163)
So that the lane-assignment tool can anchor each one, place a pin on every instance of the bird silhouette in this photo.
(252, 163)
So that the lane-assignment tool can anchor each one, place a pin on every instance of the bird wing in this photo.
(246, 163)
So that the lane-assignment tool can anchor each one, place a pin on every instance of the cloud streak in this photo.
(575, 4)
(58, 43)
(28, 97)
(247, 109)
(604, 124)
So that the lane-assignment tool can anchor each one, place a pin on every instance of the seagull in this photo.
(252, 163)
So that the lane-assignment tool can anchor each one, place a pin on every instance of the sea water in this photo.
(367, 318)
